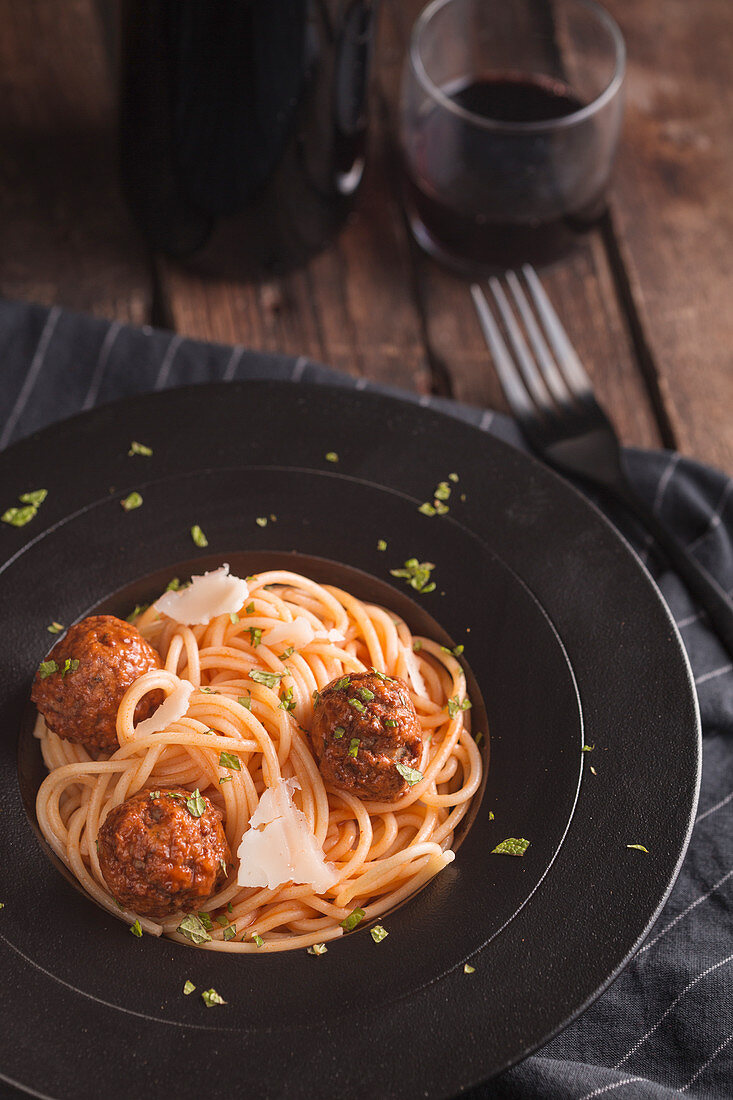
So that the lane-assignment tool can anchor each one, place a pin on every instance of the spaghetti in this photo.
(381, 851)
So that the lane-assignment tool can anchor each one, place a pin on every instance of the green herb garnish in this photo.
(354, 746)
(378, 933)
(229, 760)
(18, 517)
(132, 501)
(139, 449)
(205, 919)
(258, 940)
(365, 694)
(453, 478)
(210, 998)
(195, 804)
(287, 653)
(390, 723)
(442, 491)
(55, 628)
(225, 779)
(381, 544)
(417, 574)
(245, 702)
(286, 700)
(349, 923)
(269, 679)
(188, 988)
(331, 456)
(250, 608)
(411, 776)
(455, 705)
(639, 848)
(198, 536)
(71, 664)
(136, 929)
(512, 846)
(468, 969)
(230, 932)
(233, 618)
(46, 668)
(138, 610)
(261, 521)
(255, 636)
(357, 705)
(588, 748)
(427, 509)
(416, 645)
(342, 683)
(339, 732)
(173, 585)
(317, 949)
(36, 497)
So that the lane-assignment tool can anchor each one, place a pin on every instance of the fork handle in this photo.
(714, 600)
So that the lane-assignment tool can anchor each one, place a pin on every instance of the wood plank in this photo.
(352, 306)
(67, 237)
(582, 290)
(673, 210)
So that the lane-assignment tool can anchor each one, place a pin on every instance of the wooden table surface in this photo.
(646, 298)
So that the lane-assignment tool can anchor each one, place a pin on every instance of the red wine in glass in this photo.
(483, 196)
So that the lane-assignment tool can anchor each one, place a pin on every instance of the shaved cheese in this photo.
(418, 684)
(170, 710)
(297, 633)
(280, 847)
(207, 596)
(331, 635)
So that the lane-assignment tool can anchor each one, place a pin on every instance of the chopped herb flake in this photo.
(269, 679)
(317, 949)
(139, 449)
(188, 988)
(491, 815)
(512, 846)
(453, 478)
(416, 645)
(229, 760)
(258, 940)
(136, 929)
(639, 848)
(342, 683)
(36, 497)
(205, 920)
(588, 748)
(349, 923)
(210, 998)
(455, 705)
(287, 653)
(339, 732)
(468, 969)
(417, 574)
(225, 778)
(255, 635)
(138, 610)
(173, 585)
(71, 664)
(198, 536)
(286, 700)
(195, 804)
(390, 723)
(332, 457)
(250, 608)
(18, 517)
(233, 618)
(46, 668)
(381, 544)
(378, 933)
(230, 932)
(593, 770)
(55, 628)
(365, 694)
(261, 521)
(221, 919)
(411, 776)
(245, 701)
(354, 746)
(132, 501)
(357, 705)
(442, 491)
(427, 509)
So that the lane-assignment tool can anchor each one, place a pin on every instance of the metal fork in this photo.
(552, 399)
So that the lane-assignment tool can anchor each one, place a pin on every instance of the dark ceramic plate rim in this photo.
(543, 489)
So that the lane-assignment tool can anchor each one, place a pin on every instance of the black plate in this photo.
(568, 641)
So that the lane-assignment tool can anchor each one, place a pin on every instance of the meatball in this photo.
(157, 857)
(363, 725)
(96, 661)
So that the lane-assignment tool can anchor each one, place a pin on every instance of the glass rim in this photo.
(500, 126)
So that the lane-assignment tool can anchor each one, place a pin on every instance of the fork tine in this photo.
(531, 375)
(548, 368)
(511, 383)
(567, 360)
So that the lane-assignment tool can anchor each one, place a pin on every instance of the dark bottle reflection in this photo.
(243, 124)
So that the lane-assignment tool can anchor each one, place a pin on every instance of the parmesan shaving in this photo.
(215, 593)
(280, 847)
(297, 633)
(170, 710)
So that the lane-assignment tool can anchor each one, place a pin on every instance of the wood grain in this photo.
(66, 234)
(674, 210)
